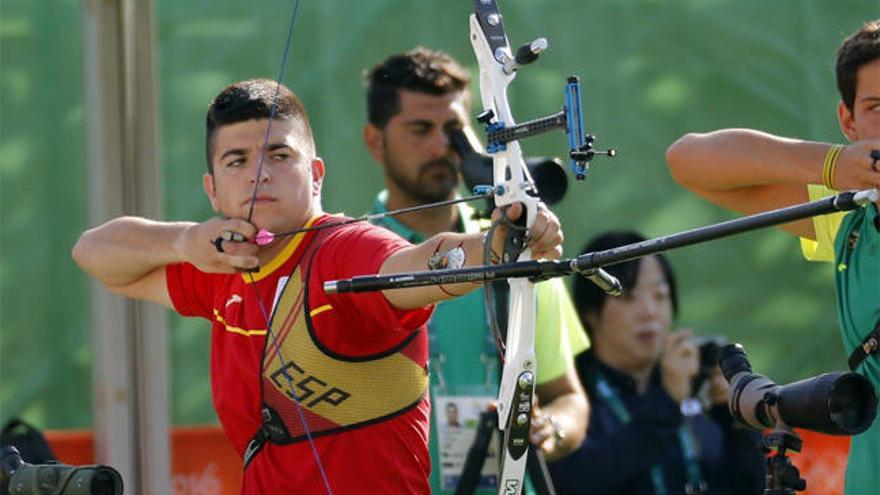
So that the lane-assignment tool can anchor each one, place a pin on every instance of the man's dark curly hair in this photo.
(420, 70)
(856, 51)
(253, 100)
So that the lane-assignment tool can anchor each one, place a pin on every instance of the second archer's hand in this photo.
(855, 167)
(199, 246)
(544, 237)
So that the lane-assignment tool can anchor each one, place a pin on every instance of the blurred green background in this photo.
(651, 71)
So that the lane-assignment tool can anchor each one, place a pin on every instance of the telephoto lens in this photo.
(836, 403)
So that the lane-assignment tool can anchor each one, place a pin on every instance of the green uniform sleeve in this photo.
(559, 335)
(822, 249)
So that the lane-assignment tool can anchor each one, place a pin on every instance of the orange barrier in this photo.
(203, 461)
(822, 462)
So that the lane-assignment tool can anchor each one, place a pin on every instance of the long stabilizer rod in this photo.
(588, 263)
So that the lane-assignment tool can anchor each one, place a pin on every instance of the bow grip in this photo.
(515, 240)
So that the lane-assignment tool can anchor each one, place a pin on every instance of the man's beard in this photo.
(424, 188)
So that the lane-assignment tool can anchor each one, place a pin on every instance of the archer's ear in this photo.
(846, 119)
(208, 186)
(374, 140)
(317, 176)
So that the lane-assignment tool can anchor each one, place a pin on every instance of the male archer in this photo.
(318, 392)
(751, 171)
(415, 101)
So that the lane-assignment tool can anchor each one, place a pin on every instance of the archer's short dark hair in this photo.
(859, 49)
(421, 70)
(253, 100)
(589, 299)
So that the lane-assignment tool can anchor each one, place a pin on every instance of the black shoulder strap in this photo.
(869, 346)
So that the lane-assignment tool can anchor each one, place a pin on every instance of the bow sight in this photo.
(476, 169)
(581, 150)
(498, 133)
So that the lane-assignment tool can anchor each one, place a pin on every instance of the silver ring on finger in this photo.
(230, 235)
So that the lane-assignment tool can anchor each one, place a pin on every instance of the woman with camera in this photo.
(648, 434)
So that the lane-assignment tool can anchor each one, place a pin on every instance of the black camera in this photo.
(476, 169)
(834, 403)
(709, 348)
(20, 478)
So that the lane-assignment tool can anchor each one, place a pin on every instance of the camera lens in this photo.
(852, 403)
(106, 482)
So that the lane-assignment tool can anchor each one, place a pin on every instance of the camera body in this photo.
(476, 169)
(20, 478)
(709, 348)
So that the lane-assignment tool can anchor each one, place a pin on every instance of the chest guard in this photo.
(304, 382)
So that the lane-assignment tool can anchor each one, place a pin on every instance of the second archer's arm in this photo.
(749, 171)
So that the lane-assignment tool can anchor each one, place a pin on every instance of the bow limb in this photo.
(512, 184)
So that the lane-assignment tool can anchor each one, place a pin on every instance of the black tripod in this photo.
(536, 466)
(783, 477)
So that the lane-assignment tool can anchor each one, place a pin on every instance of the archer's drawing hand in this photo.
(855, 168)
(220, 245)
(544, 238)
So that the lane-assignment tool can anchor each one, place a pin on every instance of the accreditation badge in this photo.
(456, 419)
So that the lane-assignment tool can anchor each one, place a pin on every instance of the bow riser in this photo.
(512, 178)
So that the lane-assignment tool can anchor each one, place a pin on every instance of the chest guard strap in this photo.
(871, 345)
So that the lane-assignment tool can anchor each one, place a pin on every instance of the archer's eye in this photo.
(236, 163)
(420, 130)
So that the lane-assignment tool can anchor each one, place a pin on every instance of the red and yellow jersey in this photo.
(355, 363)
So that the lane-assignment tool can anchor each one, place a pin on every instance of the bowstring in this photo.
(269, 332)
(284, 59)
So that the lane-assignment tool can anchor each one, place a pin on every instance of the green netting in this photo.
(44, 334)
